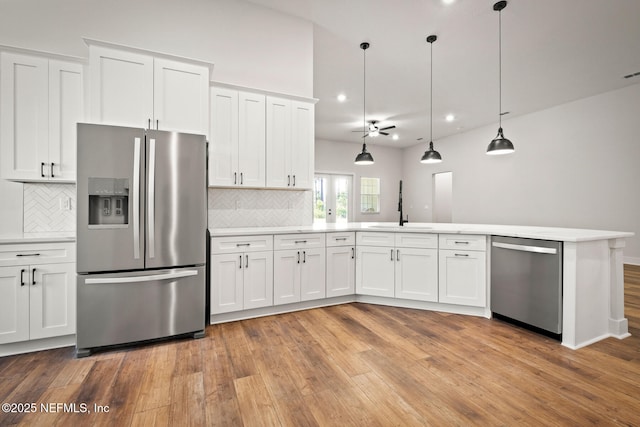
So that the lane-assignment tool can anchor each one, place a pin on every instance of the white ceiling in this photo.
(553, 52)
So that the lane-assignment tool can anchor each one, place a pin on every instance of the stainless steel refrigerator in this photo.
(141, 235)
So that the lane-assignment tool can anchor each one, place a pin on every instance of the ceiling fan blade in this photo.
(383, 133)
(365, 135)
(387, 128)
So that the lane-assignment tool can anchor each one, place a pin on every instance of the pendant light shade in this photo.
(364, 158)
(431, 155)
(500, 144)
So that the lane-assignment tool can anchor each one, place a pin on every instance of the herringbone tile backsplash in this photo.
(42, 210)
(230, 208)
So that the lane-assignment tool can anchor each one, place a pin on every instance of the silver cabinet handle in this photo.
(397, 254)
(235, 178)
(246, 257)
(294, 180)
(241, 178)
(525, 248)
(242, 244)
(461, 242)
(157, 124)
(391, 254)
(341, 238)
(138, 279)
(288, 180)
(151, 197)
(300, 241)
(461, 254)
(136, 198)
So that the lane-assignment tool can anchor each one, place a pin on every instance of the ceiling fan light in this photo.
(500, 145)
(374, 133)
(364, 158)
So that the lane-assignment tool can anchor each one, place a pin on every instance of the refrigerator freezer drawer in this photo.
(121, 308)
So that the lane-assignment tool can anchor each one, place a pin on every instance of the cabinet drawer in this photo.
(347, 238)
(37, 253)
(226, 245)
(469, 242)
(298, 241)
(416, 240)
(372, 238)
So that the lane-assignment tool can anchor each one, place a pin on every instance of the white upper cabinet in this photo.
(42, 101)
(237, 147)
(290, 143)
(131, 87)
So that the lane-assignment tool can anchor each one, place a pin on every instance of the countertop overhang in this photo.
(52, 237)
(543, 233)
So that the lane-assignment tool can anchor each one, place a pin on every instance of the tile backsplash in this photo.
(45, 207)
(258, 208)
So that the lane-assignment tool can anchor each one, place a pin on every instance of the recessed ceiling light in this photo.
(450, 117)
(395, 137)
(448, 1)
(342, 97)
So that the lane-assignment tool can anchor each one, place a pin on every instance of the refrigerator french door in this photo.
(141, 238)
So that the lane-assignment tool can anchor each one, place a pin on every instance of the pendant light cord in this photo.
(364, 94)
(500, 68)
(431, 99)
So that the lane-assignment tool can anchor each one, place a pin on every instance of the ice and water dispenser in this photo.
(108, 202)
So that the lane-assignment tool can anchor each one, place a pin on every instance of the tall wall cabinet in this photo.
(41, 102)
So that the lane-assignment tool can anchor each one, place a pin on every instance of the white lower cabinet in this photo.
(241, 273)
(341, 263)
(375, 271)
(417, 274)
(463, 272)
(298, 275)
(36, 300)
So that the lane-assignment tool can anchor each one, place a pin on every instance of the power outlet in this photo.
(65, 203)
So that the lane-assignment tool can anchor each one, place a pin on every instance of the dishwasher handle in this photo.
(525, 248)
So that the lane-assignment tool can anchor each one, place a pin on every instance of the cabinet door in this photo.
(417, 274)
(341, 271)
(180, 96)
(312, 274)
(286, 276)
(223, 145)
(302, 144)
(375, 271)
(227, 292)
(278, 140)
(24, 122)
(258, 279)
(14, 304)
(66, 109)
(121, 87)
(52, 300)
(251, 140)
(462, 277)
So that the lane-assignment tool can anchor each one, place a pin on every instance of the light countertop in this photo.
(64, 236)
(543, 233)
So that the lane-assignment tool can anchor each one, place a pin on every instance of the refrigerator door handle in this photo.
(151, 218)
(137, 279)
(136, 199)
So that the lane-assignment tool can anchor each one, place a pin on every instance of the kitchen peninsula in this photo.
(592, 270)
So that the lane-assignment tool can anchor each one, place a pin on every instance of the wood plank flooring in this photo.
(353, 364)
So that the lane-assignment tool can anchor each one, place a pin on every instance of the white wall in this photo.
(10, 207)
(338, 157)
(250, 45)
(575, 165)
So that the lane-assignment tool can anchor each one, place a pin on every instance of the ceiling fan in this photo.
(374, 130)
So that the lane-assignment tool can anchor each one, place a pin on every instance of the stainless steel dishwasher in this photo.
(526, 282)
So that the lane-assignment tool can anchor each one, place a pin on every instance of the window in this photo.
(369, 195)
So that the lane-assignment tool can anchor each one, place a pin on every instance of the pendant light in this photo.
(500, 144)
(431, 155)
(364, 158)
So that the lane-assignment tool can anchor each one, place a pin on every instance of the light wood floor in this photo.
(353, 364)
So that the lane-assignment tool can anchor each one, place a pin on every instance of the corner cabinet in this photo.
(290, 143)
(237, 139)
(37, 292)
(137, 88)
(42, 100)
(463, 269)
